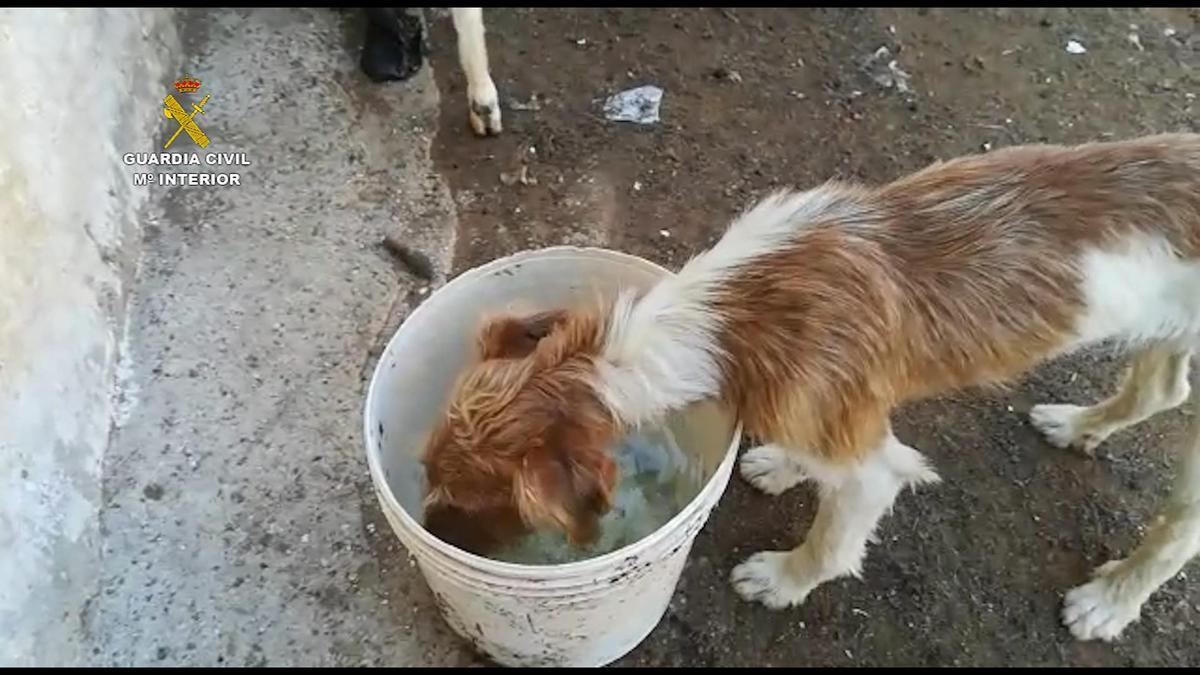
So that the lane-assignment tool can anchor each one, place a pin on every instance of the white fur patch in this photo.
(1099, 609)
(1059, 423)
(1141, 291)
(662, 351)
(770, 468)
(766, 577)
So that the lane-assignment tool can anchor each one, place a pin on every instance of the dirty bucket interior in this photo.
(419, 367)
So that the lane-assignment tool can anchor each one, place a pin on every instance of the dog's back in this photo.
(968, 272)
(1049, 248)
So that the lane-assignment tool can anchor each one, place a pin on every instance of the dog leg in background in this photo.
(1103, 607)
(852, 501)
(393, 44)
(483, 103)
(1156, 381)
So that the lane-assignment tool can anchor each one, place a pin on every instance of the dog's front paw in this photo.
(1100, 609)
(483, 107)
(768, 468)
(1064, 427)
(764, 578)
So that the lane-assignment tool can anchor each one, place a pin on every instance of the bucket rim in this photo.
(448, 552)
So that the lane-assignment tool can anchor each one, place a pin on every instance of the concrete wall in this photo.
(80, 86)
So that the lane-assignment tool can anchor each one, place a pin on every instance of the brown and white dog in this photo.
(817, 314)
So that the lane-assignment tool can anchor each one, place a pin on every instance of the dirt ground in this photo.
(971, 572)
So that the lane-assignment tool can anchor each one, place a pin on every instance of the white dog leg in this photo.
(853, 500)
(483, 103)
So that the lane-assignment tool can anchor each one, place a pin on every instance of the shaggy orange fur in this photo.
(491, 479)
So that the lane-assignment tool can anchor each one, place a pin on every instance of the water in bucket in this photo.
(657, 481)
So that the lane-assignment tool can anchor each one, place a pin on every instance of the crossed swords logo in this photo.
(186, 120)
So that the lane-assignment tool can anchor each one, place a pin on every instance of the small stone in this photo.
(723, 73)
(534, 103)
(153, 492)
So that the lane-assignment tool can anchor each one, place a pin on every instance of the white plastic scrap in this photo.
(1075, 47)
(890, 75)
(639, 105)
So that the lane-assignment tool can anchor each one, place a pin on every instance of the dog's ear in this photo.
(514, 337)
(566, 488)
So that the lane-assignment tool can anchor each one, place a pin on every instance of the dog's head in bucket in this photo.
(523, 443)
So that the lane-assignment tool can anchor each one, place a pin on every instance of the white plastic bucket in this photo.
(587, 613)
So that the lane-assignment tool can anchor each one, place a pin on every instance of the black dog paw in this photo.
(394, 45)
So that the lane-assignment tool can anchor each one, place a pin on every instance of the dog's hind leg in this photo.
(1156, 381)
(854, 498)
(483, 102)
(1103, 607)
